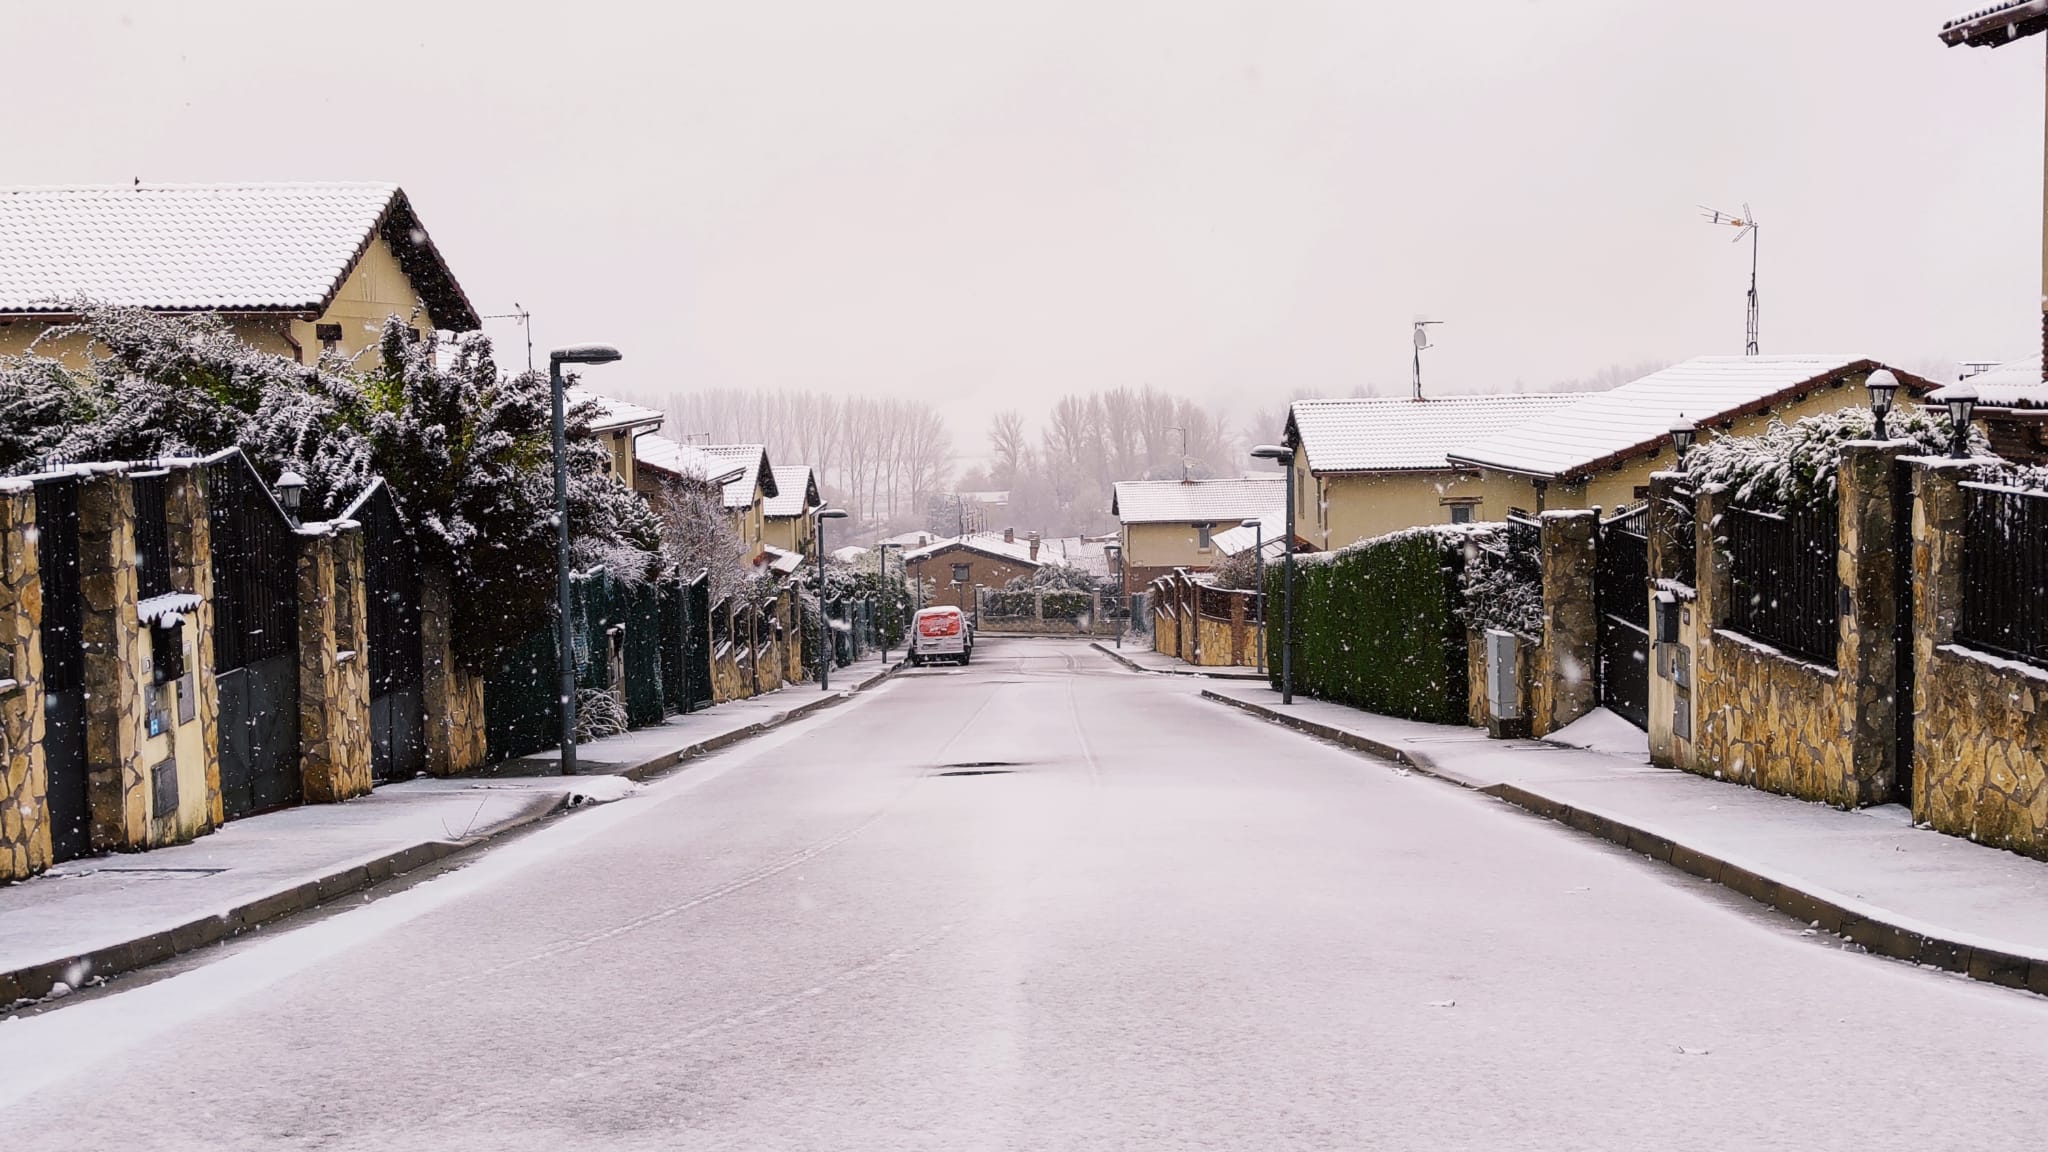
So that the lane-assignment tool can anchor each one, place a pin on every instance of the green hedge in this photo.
(1375, 626)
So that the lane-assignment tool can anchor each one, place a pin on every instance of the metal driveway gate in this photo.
(63, 667)
(1621, 585)
(391, 578)
(255, 639)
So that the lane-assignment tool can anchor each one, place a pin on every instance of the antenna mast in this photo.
(1421, 343)
(1744, 225)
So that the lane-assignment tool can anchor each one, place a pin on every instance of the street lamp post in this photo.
(825, 644)
(565, 657)
(1285, 456)
(888, 601)
(1258, 528)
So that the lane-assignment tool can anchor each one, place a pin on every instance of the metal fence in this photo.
(152, 533)
(2005, 572)
(1786, 592)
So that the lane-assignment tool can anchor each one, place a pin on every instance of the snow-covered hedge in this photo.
(1502, 582)
(1794, 465)
(1377, 624)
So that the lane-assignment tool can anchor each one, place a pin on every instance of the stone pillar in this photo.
(452, 696)
(24, 812)
(1672, 716)
(1867, 647)
(190, 536)
(334, 676)
(1566, 686)
(1716, 584)
(116, 657)
(1937, 606)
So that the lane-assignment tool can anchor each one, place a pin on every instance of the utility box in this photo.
(1667, 618)
(1504, 713)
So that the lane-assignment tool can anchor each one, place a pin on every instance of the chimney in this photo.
(1009, 535)
(1034, 546)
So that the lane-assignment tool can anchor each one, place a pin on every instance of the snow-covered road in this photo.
(1041, 903)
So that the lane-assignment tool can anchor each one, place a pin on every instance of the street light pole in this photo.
(825, 645)
(565, 656)
(1258, 527)
(1285, 456)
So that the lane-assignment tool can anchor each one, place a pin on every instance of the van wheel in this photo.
(963, 659)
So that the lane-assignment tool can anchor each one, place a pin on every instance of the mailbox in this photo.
(1667, 618)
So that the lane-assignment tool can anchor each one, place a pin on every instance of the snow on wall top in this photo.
(1602, 427)
(1193, 501)
(796, 491)
(1393, 434)
(208, 247)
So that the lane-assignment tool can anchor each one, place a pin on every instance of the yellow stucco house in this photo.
(1168, 524)
(619, 426)
(1367, 466)
(1600, 450)
(786, 516)
(295, 269)
(747, 495)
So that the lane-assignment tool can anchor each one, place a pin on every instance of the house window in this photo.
(961, 574)
(1461, 513)
(329, 336)
(1202, 536)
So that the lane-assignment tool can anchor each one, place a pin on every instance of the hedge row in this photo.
(1376, 626)
(1062, 604)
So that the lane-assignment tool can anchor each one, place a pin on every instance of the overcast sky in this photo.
(990, 204)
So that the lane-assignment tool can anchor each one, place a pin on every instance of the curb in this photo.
(1134, 666)
(1877, 930)
(35, 981)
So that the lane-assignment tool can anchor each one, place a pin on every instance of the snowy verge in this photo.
(1603, 731)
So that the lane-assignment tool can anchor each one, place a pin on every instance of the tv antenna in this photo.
(525, 319)
(1421, 343)
(1744, 225)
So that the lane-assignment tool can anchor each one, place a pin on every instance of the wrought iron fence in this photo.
(1683, 542)
(152, 533)
(2005, 572)
(1786, 591)
(255, 567)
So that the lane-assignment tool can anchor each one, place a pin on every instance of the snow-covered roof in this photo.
(1088, 553)
(759, 472)
(995, 497)
(1270, 537)
(234, 248)
(653, 450)
(1196, 501)
(1396, 434)
(2015, 384)
(614, 415)
(851, 554)
(1017, 551)
(1997, 24)
(796, 492)
(781, 561)
(1604, 428)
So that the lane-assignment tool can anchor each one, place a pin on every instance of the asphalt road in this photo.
(1150, 922)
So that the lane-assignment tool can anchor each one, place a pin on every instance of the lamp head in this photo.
(829, 514)
(1272, 452)
(1883, 385)
(1683, 434)
(291, 487)
(1961, 401)
(584, 354)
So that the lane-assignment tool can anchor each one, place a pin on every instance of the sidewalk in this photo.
(1146, 660)
(92, 918)
(1868, 875)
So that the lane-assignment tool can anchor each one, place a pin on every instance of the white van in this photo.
(941, 634)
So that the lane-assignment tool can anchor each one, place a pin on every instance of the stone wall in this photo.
(24, 815)
(116, 659)
(334, 664)
(1563, 685)
(190, 537)
(452, 696)
(1980, 729)
(1786, 725)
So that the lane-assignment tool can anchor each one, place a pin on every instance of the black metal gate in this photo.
(1621, 585)
(398, 739)
(63, 636)
(697, 643)
(255, 639)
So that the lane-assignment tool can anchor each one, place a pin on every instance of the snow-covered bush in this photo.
(1794, 465)
(598, 714)
(1066, 591)
(1502, 582)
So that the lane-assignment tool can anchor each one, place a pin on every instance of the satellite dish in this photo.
(1421, 336)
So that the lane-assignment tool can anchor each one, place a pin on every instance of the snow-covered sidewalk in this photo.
(96, 917)
(1143, 659)
(1869, 875)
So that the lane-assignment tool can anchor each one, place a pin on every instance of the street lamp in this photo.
(1961, 400)
(888, 601)
(565, 658)
(1258, 527)
(291, 489)
(1113, 557)
(1683, 433)
(824, 618)
(1883, 386)
(1285, 456)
